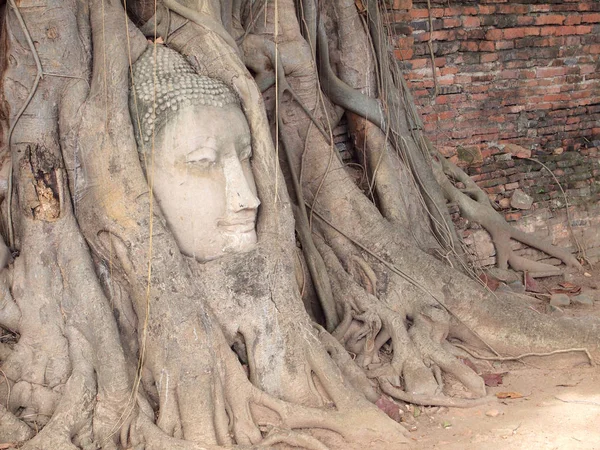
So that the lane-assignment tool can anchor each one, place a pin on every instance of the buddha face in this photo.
(203, 181)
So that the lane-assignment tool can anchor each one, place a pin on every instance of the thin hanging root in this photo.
(425, 400)
(431, 52)
(315, 263)
(525, 355)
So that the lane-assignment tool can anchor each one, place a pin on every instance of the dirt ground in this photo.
(559, 407)
(560, 410)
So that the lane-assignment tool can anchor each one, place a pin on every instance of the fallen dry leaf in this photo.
(509, 395)
(493, 379)
(566, 288)
(569, 288)
(389, 407)
(532, 285)
(491, 282)
(467, 362)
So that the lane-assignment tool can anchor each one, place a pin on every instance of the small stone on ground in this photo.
(559, 300)
(583, 299)
(521, 200)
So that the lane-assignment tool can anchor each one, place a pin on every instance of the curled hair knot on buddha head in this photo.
(152, 101)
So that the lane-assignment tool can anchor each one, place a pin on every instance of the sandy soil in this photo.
(560, 408)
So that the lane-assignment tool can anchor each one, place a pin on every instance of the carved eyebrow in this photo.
(197, 142)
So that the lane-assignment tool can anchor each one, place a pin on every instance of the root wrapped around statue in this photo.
(188, 262)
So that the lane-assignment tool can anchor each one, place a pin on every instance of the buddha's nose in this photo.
(241, 191)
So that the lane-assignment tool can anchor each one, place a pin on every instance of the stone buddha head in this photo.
(195, 146)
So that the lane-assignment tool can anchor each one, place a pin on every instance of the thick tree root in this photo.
(417, 351)
(351, 371)
(423, 400)
(74, 412)
(12, 429)
(475, 205)
(258, 419)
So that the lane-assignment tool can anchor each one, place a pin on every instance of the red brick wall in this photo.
(520, 72)
(525, 72)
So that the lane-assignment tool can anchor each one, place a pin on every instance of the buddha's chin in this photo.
(230, 243)
(239, 242)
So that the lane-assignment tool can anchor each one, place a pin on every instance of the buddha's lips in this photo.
(237, 225)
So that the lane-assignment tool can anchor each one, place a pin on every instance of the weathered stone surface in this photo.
(482, 243)
(560, 300)
(517, 151)
(583, 299)
(521, 200)
(469, 156)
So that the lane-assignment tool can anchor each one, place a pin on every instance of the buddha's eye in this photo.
(203, 158)
(246, 153)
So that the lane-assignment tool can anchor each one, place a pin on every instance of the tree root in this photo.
(525, 355)
(475, 205)
(38, 77)
(292, 438)
(208, 23)
(356, 377)
(74, 412)
(425, 400)
(342, 94)
(201, 392)
(418, 355)
(156, 439)
(10, 314)
(279, 422)
(13, 429)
